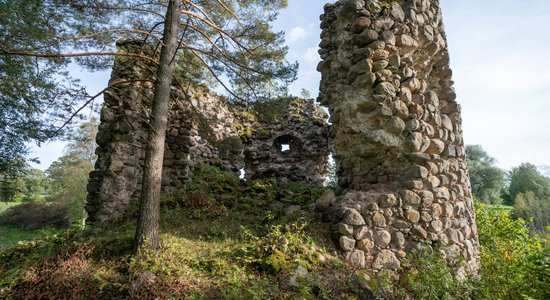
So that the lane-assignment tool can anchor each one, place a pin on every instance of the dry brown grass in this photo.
(68, 276)
(198, 200)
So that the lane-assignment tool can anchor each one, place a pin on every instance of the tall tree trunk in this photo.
(147, 232)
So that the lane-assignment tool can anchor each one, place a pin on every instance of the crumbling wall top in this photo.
(289, 138)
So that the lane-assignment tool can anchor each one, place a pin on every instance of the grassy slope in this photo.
(5, 205)
(11, 235)
(235, 243)
(505, 208)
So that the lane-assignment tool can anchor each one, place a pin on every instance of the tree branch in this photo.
(122, 30)
(207, 21)
(84, 54)
(91, 100)
(104, 7)
(214, 74)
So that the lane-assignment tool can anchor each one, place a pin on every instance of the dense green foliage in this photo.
(36, 215)
(33, 186)
(507, 245)
(425, 275)
(526, 178)
(513, 264)
(28, 185)
(535, 210)
(36, 94)
(487, 180)
(8, 188)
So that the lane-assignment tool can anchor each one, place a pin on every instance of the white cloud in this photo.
(513, 73)
(501, 76)
(296, 34)
(312, 55)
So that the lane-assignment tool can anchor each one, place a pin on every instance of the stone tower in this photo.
(397, 133)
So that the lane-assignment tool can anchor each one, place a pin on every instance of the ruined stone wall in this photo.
(293, 144)
(397, 133)
(198, 120)
(202, 129)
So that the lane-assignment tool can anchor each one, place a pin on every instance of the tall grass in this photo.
(5, 205)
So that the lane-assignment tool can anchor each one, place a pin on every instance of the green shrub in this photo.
(281, 249)
(213, 181)
(534, 210)
(35, 215)
(424, 275)
(514, 265)
(226, 189)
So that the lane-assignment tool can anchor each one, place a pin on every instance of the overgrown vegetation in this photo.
(36, 215)
(224, 238)
(11, 235)
(424, 275)
(240, 246)
(28, 185)
(513, 265)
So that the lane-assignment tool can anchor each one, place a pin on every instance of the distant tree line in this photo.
(524, 187)
(59, 192)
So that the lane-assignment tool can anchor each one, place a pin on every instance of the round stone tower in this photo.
(397, 133)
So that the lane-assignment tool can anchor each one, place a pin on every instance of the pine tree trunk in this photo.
(147, 232)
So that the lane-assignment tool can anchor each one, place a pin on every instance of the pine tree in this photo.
(200, 40)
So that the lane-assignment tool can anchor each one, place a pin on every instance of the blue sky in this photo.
(500, 56)
(501, 67)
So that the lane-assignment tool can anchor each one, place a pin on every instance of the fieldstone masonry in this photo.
(294, 145)
(193, 126)
(397, 134)
(203, 129)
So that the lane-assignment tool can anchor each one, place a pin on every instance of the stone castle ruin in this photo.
(203, 129)
(396, 136)
(396, 132)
